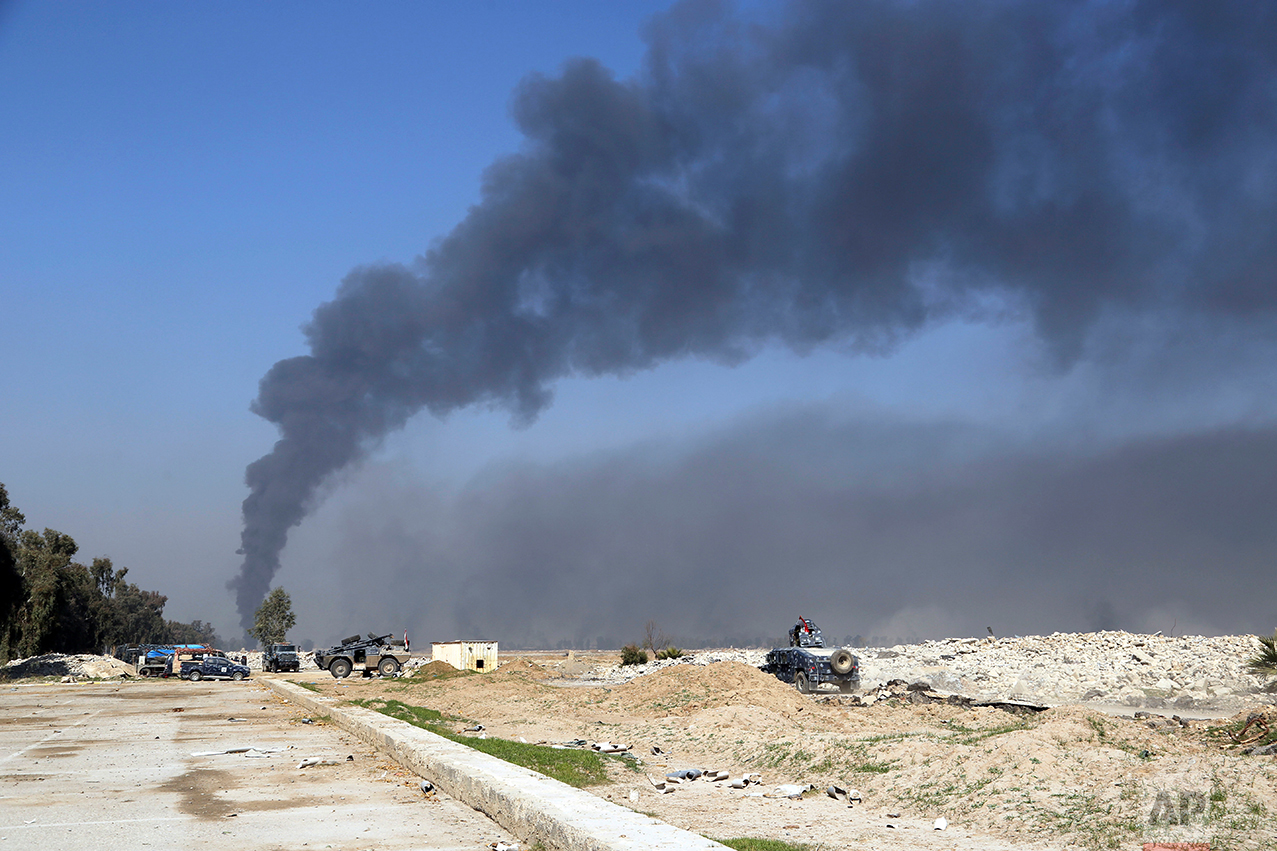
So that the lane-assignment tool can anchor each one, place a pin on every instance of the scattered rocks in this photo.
(618, 674)
(1111, 667)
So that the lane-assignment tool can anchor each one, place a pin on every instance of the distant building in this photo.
(466, 655)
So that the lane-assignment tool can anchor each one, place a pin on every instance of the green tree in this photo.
(43, 559)
(11, 519)
(49, 603)
(139, 616)
(195, 632)
(119, 611)
(12, 590)
(273, 618)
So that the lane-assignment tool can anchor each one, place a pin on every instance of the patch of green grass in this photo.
(418, 716)
(971, 735)
(1104, 735)
(845, 756)
(871, 767)
(1091, 823)
(776, 754)
(825, 766)
(939, 794)
(310, 687)
(578, 768)
(747, 844)
(888, 737)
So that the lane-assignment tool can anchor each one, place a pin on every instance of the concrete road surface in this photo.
(128, 765)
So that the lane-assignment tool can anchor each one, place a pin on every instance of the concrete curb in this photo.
(532, 806)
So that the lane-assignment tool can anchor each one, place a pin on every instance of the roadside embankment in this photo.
(531, 806)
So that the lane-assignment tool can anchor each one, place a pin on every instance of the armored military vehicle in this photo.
(808, 664)
(281, 657)
(378, 653)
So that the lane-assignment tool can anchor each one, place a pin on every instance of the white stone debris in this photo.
(1112, 667)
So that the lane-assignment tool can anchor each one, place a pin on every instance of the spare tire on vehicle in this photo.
(842, 661)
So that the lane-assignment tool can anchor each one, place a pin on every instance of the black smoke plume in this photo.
(842, 173)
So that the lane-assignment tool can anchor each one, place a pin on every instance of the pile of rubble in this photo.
(617, 674)
(1155, 671)
(1152, 671)
(61, 665)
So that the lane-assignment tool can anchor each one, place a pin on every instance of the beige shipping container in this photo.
(466, 655)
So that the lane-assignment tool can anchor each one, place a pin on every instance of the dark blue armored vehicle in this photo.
(808, 664)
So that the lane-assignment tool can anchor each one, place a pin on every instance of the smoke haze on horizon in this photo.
(847, 177)
(869, 525)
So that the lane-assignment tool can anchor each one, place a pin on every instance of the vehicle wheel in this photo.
(146, 672)
(842, 661)
(237, 676)
(388, 667)
(195, 676)
(804, 684)
(339, 668)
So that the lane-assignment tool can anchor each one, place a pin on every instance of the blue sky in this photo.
(186, 183)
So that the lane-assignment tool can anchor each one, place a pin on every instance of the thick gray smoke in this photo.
(844, 174)
(873, 527)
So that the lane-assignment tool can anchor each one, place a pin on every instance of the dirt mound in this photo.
(436, 670)
(686, 689)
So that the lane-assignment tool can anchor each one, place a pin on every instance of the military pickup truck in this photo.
(808, 664)
(213, 667)
(281, 657)
(376, 653)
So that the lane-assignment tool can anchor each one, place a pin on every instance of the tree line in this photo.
(50, 603)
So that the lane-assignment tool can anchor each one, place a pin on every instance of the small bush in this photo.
(1264, 662)
(632, 654)
(670, 652)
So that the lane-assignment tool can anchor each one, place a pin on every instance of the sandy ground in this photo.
(1069, 777)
